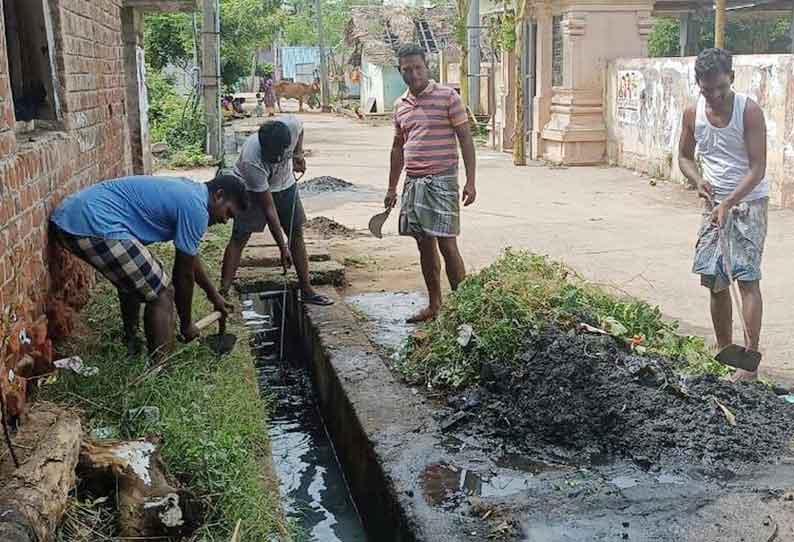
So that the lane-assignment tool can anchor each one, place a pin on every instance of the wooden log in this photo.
(150, 504)
(33, 498)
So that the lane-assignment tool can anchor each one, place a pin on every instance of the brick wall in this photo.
(38, 170)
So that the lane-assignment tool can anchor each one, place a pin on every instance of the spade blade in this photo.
(376, 223)
(221, 344)
(739, 357)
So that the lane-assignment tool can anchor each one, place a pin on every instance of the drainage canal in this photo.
(313, 486)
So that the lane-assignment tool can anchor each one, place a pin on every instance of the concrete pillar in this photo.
(541, 107)
(135, 90)
(592, 35)
(473, 34)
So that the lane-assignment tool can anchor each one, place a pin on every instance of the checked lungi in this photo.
(746, 230)
(430, 206)
(127, 263)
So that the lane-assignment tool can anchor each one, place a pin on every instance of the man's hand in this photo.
(221, 305)
(391, 199)
(299, 164)
(719, 215)
(187, 334)
(286, 258)
(469, 194)
(706, 191)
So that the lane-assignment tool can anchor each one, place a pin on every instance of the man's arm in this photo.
(184, 276)
(265, 201)
(205, 283)
(298, 161)
(686, 155)
(469, 160)
(395, 169)
(755, 142)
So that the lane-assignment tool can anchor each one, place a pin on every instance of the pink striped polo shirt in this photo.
(427, 124)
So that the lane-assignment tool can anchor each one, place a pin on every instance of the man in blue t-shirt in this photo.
(109, 225)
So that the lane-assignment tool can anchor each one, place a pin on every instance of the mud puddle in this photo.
(311, 480)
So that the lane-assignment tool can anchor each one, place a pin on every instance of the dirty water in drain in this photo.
(311, 480)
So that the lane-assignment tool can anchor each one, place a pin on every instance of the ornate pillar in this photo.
(541, 108)
(592, 34)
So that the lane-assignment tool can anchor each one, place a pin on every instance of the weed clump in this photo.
(523, 292)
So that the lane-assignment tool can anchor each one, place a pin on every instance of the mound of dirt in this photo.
(581, 398)
(325, 184)
(329, 228)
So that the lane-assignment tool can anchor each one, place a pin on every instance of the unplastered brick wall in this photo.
(88, 143)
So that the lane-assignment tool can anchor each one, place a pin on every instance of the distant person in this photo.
(267, 164)
(269, 95)
(109, 225)
(430, 122)
(727, 131)
(258, 110)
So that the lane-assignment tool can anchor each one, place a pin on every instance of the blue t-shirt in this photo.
(149, 209)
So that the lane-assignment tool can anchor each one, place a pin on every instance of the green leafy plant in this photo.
(523, 291)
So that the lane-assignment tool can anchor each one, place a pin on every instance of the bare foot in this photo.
(424, 315)
(740, 375)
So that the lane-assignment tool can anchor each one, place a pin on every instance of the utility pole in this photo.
(719, 23)
(473, 23)
(211, 75)
(323, 67)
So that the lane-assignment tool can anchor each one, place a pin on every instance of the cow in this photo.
(297, 91)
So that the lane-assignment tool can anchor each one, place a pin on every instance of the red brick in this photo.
(8, 143)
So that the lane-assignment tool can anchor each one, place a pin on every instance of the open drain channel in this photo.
(312, 483)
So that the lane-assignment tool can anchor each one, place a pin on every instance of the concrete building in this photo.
(72, 112)
(569, 44)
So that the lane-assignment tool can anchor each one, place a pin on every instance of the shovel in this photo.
(376, 223)
(222, 342)
(733, 354)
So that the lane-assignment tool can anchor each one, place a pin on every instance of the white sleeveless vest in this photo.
(723, 154)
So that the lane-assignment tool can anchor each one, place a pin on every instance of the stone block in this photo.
(252, 279)
(270, 256)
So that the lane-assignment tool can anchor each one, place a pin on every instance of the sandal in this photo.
(317, 299)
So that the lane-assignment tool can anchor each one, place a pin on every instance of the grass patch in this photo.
(522, 291)
(211, 417)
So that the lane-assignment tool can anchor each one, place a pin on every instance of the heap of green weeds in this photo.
(211, 418)
(523, 291)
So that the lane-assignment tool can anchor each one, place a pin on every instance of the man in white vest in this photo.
(727, 131)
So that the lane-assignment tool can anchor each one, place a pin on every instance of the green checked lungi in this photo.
(430, 206)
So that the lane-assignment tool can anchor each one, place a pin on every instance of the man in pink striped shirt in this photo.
(430, 121)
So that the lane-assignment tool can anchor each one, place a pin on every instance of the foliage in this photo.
(522, 291)
(502, 31)
(211, 416)
(664, 38)
(299, 19)
(176, 120)
(168, 39)
(246, 25)
(746, 34)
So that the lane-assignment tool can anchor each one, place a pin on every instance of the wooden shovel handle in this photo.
(734, 289)
(208, 320)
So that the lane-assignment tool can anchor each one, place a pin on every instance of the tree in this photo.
(299, 20)
(744, 34)
(462, 38)
(246, 25)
